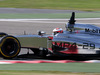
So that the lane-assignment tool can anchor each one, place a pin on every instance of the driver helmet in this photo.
(57, 30)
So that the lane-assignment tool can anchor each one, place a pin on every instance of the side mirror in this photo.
(41, 33)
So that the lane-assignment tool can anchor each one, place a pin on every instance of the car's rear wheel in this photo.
(9, 47)
(2, 34)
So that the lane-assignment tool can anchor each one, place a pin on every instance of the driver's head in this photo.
(57, 30)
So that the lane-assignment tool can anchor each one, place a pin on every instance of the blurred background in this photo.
(49, 8)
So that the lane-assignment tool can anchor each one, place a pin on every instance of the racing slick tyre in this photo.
(2, 34)
(9, 47)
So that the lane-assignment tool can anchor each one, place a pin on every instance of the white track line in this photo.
(44, 20)
(47, 19)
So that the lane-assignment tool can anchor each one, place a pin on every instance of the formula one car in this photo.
(76, 39)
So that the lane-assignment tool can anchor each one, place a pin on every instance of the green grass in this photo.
(67, 67)
(49, 16)
(43, 73)
(87, 5)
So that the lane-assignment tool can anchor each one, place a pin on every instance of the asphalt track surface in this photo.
(24, 10)
(32, 26)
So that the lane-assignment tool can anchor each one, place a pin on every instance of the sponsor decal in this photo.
(64, 44)
(74, 45)
(65, 47)
(93, 30)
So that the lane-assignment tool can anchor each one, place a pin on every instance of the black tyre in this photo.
(9, 47)
(2, 34)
